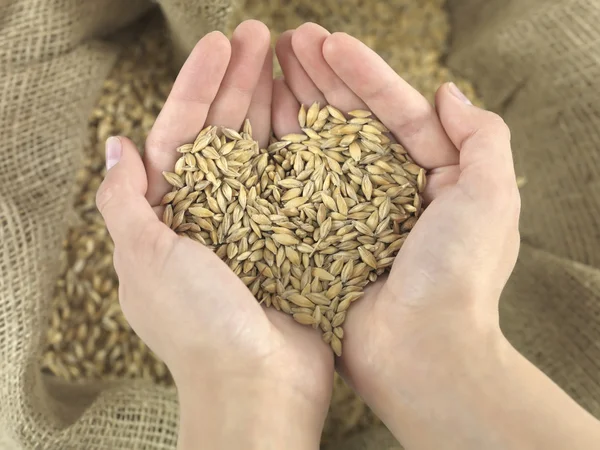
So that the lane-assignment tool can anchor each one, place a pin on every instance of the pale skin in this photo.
(423, 347)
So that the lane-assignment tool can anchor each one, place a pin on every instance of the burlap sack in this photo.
(53, 59)
(535, 61)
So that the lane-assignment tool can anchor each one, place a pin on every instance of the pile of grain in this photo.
(88, 336)
(307, 223)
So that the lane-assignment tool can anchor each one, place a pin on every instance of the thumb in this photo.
(120, 198)
(483, 139)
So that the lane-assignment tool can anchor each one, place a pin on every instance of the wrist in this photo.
(442, 364)
(427, 343)
(476, 391)
(419, 348)
(250, 413)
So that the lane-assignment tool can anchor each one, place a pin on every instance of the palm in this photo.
(223, 84)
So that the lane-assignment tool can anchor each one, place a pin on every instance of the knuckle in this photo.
(495, 191)
(152, 244)
(415, 119)
(158, 144)
(496, 125)
(147, 253)
(143, 239)
(244, 88)
(104, 196)
(504, 196)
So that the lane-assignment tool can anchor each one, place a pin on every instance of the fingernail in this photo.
(113, 151)
(458, 94)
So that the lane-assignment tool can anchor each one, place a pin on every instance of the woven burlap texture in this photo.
(535, 61)
(54, 55)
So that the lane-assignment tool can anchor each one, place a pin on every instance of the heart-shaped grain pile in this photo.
(307, 223)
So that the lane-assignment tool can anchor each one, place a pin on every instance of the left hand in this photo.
(244, 374)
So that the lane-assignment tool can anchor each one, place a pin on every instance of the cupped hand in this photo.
(437, 309)
(222, 347)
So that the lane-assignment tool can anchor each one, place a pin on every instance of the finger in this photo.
(120, 198)
(307, 44)
(285, 110)
(296, 78)
(259, 112)
(249, 45)
(185, 110)
(409, 116)
(483, 139)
